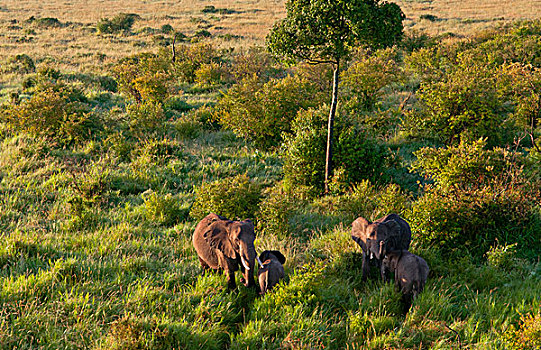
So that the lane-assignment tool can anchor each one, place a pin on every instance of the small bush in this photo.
(479, 196)
(122, 22)
(144, 77)
(21, 64)
(146, 118)
(363, 80)
(356, 152)
(163, 209)
(527, 335)
(210, 75)
(262, 112)
(55, 112)
(233, 197)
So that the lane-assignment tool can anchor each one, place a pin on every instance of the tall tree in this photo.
(325, 31)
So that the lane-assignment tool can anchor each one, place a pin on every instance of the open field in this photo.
(111, 153)
(75, 45)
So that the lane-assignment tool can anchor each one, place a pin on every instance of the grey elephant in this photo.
(227, 245)
(272, 269)
(386, 234)
(410, 274)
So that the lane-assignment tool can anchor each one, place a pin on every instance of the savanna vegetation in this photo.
(107, 163)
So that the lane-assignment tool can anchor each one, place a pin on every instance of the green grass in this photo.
(96, 248)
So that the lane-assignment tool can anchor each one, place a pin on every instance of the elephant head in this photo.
(271, 270)
(234, 240)
(386, 234)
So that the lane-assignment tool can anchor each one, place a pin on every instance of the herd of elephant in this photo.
(223, 244)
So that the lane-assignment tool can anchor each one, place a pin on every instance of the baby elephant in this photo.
(410, 274)
(272, 269)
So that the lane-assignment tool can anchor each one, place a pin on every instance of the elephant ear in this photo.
(358, 231)
(281, 258)
(217, 236)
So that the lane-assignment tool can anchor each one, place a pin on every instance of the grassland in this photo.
(96, 229)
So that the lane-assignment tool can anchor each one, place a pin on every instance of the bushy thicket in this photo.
(478, 196)
(357, 155)
(264, 111)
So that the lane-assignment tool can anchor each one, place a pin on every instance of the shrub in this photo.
(479, 196)
(262, 112)
(144, 77)
(356, 152)
(54, 112)
(188, 59)
(232, 197)
(21, 64)
(163, 209)
(363, 80)
(278, 205)
(527, 335)
(210, 74)
(120, 23)
(146, 118)
(465, 104)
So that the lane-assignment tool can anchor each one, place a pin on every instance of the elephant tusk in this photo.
(259, 261)
(244, 263)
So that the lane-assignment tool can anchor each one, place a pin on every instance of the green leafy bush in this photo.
(526, 335)
(465, 104)
(21, 64)
(232, 197)
(144, 77)
(163, 209)
(146, 118)
(363, 81)
(262, 112)
(356, 152)
(122, 22)
(189, 58)
(54, 112)
(479, 196)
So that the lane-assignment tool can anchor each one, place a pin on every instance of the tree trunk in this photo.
(330, 126)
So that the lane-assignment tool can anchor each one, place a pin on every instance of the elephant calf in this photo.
(410, 274)
(272, 269)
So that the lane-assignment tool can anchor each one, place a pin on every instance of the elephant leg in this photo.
(384, 273)
(406, 301)
(231, 279)
(365, 266)
(206, 268)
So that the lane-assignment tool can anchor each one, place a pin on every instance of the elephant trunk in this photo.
(248, 258)
(381, 249)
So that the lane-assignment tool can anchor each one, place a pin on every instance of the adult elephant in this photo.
(390, 233)
(225, 244)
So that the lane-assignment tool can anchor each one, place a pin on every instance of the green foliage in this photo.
(189, 58)
(55, 111)
(210, 75)
(163, 209)
(357, 153)
(122, 22)
(146, 119)
(527, 335)
(232, 197)
(144, 77)
(263, 112)
(21, 64)
(320, 30)
(465, 104)
(479, 196)
(363, 80)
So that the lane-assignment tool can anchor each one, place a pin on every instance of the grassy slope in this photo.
(114, 277)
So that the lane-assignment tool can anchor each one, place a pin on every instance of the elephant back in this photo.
(400, 239)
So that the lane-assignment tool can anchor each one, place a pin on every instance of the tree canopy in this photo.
(321, 31)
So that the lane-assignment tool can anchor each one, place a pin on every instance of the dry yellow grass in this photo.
(77, 48)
